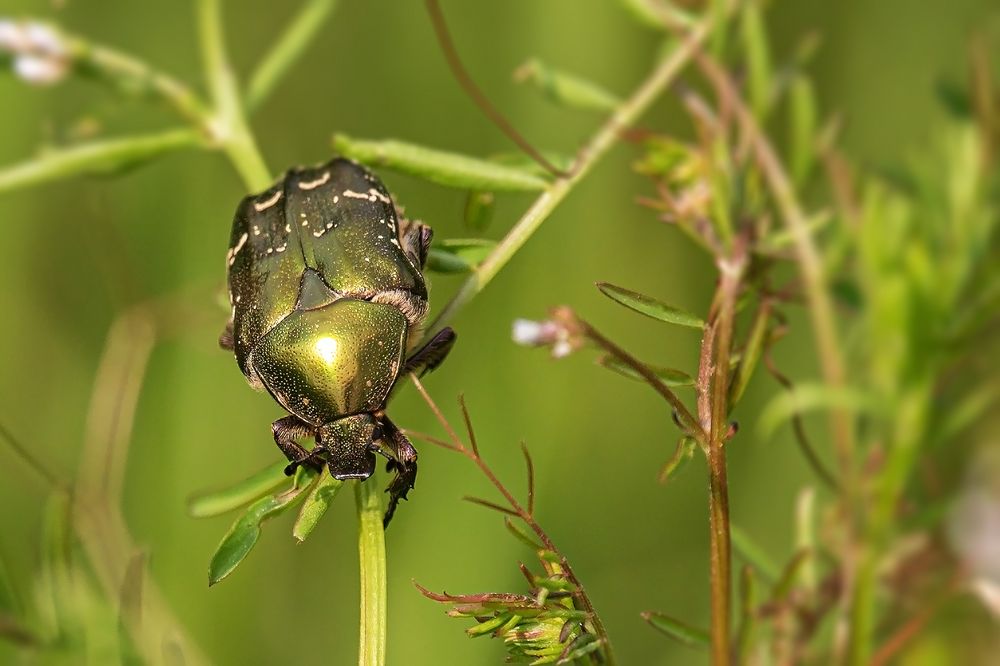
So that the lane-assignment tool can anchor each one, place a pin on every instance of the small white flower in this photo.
(11, 36)
(40, 70)
(553, 333)
(40, 52)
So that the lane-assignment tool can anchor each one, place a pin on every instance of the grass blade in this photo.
(681, 632)
(315, 506)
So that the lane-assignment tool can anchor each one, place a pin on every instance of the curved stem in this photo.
(592, 152)
(371, 550)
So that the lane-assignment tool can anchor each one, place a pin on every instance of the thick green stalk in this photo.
(592, 152)
(371, 550)
(229, 126)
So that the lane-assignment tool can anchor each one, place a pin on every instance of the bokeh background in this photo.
(76, 253)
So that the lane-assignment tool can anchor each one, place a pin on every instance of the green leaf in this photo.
(567, 89)
(649, 306)
(683, 453)
(459, 255)
(750, 355)
(98, 157)
(438, 166)
(668, 376)
(806, 397)
(680, 631)
(746, 636)
(802, 128)
(581, 646)
(315, 506)
(217, 502)
(760, 76)
(752, 554)
(243, 535)
(479, 208)
(520, 534)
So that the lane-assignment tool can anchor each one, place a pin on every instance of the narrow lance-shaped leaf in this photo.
(680, 631)
(683, 453)
(479, 208)
(443, 168)
(669, 376)
(802, 128)
(746, 636)
(243, 535)
(458, 255)
(315, 506)
(567, 89)
(217, 502)
(96, 157)
(751, 355)
(758, 57)
(649, 306)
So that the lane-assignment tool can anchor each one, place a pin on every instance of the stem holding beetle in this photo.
(371, 551)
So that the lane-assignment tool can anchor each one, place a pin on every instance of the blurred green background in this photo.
(76, 253)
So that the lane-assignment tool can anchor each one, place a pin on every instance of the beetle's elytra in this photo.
(328, 299)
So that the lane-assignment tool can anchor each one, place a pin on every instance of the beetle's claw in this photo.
(401, 484)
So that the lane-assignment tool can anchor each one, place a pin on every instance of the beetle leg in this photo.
(226, 340)
(288, 429)
(431, 354)
(402, 460)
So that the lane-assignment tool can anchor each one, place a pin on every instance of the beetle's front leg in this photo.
(286, 431)
(402, 460)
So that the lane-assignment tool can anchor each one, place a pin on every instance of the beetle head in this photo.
(350, 443)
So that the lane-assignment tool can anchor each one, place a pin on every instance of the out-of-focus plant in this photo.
(898, 271)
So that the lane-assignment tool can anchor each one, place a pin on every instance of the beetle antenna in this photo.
(477, 95)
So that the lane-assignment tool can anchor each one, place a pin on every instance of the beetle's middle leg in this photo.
(286, 431)
(432, 354)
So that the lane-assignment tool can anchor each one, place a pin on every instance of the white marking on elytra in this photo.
(329, 225)
(288, 228)
(357, 195)
(368, 260)
(264, 205)
(394, 242)
(238, 297)
(305, 223)
(312, 185)
(335, 198)
(319, 233)
(375, 194)
(281, 248)
(231, 255)
(380, 237)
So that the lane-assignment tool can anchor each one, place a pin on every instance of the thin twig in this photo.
(684, 414)
(287, 49)
(477, 95)
(592, 152)
(31, 461)
(519, 510)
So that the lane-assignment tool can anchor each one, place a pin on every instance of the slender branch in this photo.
(592, 152)
(21, 451)
(521, 512)
(229, 127)
(695, 428)
(477, 95)
(371, 552)
(810, 264)
(287, 49)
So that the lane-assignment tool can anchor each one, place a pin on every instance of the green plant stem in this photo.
(131, 73)
(591, 153)
(229, 126)
(287, 49)
(371, 550)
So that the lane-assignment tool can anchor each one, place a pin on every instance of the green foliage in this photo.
(649, 306)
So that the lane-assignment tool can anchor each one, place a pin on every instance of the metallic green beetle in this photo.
(328, 300)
